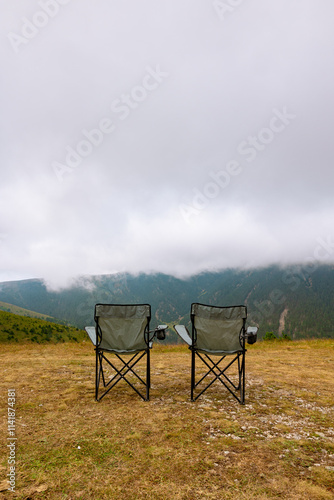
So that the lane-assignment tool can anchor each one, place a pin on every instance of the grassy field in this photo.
(280, 444)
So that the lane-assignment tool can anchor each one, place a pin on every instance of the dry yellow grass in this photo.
(279, 445)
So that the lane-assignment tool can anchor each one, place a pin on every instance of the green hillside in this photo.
(4, 306)
(18, 328)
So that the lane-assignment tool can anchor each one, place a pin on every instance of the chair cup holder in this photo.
(161, 335)
(251, 338)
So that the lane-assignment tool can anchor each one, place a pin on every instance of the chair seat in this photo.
(121, 351)
(218, 353)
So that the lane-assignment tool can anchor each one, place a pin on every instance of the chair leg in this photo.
(148, 375)
(192, 381)
(97, 375)
(243, 376)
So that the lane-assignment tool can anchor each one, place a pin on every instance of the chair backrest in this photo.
(123, 327)
(218, 328)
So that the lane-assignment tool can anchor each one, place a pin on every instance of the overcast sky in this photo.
(164, 135)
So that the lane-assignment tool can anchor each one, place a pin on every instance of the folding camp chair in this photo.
(218, 331)
(122, 330)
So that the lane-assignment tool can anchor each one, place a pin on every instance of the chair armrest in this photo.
(182, 331)
(91, 333)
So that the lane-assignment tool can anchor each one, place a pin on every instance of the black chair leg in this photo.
(148, 375)
(192, 382)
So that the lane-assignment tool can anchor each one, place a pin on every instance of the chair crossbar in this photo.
(119, 375)
(218, 373)
(221, 372)
(211, 369)
(125, 365)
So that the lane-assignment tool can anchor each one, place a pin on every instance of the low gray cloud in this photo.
(175, 136)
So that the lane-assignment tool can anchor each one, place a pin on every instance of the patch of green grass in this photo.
(17, 328)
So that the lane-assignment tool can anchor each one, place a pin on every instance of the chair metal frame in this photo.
(127, 366)
(219, 373)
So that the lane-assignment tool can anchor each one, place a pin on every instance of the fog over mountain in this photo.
(172, 136)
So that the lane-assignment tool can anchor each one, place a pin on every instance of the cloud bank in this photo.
(172, 136)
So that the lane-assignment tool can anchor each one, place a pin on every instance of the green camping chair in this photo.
(218, 331)
(122, 330)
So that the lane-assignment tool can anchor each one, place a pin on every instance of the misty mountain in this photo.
(295, 300)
